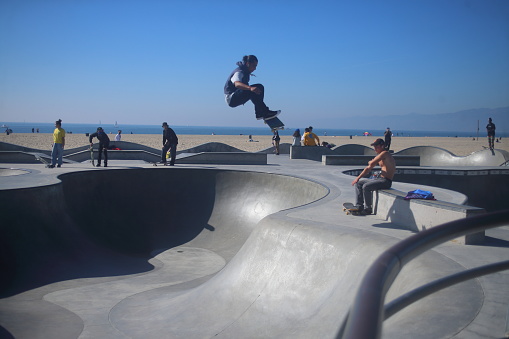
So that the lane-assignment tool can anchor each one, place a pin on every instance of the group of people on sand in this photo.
(170, 141)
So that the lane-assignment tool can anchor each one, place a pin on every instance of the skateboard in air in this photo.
(350, 208)
(92, 155)
(274, 124)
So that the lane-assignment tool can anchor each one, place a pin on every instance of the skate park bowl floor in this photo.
(197, 253)
(7, 172)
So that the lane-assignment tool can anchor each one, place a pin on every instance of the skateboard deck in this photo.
(41, 159)
(350, 208)
(274, 124)
(92, 156)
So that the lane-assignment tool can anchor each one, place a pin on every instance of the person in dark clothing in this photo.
(388, 139)
(104, 144)
(237, 90)
(170, 142)
(490, 128)
(275, 141)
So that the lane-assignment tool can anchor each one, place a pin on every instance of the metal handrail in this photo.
(366, 316)
(417, 294)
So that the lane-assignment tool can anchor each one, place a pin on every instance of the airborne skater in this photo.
(238, 91)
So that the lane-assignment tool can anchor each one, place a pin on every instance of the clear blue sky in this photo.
(322, 62)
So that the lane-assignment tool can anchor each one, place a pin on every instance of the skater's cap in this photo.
(378, 142)
(99, 128)
(164, 124)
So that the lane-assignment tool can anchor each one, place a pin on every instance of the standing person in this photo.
(296, 137)
(275, 141)
(118, 136)
(170, 142)
(388, 138)
(310, 137)
(104, 144)
(238, 91)
(57, 152)
(490, 128)
(365, 186)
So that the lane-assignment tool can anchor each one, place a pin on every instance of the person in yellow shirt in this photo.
(58, 144)
(310, 137)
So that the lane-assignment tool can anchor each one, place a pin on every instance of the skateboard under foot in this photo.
(350, 208)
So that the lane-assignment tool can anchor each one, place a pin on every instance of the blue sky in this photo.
(322, 62)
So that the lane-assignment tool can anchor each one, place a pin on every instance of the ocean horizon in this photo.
(26, 127)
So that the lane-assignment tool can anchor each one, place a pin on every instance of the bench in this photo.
(419, 214)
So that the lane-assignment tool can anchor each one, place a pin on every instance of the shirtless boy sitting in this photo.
(365, 186)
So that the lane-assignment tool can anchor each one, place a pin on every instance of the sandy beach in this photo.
(458, 146)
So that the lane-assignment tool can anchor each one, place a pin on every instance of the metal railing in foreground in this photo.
(368, 312)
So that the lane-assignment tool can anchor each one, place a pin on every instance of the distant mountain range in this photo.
(462, 121)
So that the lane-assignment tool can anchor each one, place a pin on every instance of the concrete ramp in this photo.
(197, 253)
(434, 156)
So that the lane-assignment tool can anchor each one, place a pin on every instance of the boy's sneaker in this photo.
(271, 115)
(267, 115)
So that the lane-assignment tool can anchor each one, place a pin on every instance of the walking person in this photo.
(170, 142)
(238, 91)
(490, 129)
(57, 151)
(104, 144)
(365, 186)
(388, 138)
(118, 136)
(275, 141)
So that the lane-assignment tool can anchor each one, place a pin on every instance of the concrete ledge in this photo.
(347, 160)
(418, 214)
(315, 152)
(224, 158)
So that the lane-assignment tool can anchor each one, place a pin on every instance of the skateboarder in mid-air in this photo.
(238, 91)
(365, 186)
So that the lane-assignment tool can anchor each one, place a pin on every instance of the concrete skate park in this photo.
(231, 244)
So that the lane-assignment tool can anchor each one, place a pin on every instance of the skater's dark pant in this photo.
(240, 97)
(364, 188)
(173, 153)
(101, 148)
(387, 144)
(491, 140)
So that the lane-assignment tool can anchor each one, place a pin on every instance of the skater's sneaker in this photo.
(267, 115)
(271, 115)
(105, 165)
(98, 165)
(367, 211)
(59, 166)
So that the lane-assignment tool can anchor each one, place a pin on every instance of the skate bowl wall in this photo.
(281, 276)
(435, 156)
(124, 212)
